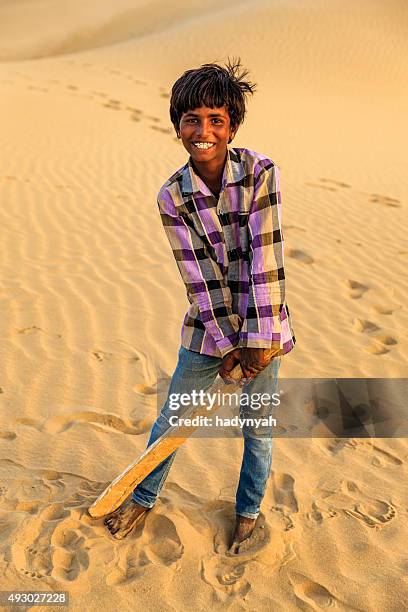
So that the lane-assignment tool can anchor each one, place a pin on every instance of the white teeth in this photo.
(203, 145)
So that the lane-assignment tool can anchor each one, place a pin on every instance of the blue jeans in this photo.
(197, 372)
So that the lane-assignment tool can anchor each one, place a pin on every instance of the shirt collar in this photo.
(233, 171)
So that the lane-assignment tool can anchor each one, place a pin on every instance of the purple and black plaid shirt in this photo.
(230, 255)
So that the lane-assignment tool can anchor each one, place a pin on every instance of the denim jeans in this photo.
(197, 372)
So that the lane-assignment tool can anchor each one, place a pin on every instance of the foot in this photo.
(243, 530)
(125, 518)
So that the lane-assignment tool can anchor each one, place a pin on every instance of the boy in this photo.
(222, 215)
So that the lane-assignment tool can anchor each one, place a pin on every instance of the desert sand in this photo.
(92, 302)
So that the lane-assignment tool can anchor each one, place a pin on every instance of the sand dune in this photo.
(49, 29)
(92, 303)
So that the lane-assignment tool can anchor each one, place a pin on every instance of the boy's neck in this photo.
(211, 172)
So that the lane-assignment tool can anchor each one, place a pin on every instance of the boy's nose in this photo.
(203, 131)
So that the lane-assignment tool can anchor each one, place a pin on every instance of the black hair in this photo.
(214, 86)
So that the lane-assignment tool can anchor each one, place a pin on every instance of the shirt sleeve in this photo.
(262, 326)
(201, 275)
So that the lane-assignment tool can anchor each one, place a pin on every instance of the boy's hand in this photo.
(228, 364)
(254, 360)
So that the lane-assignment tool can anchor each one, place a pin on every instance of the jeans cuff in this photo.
(249, 515)
(141, 503)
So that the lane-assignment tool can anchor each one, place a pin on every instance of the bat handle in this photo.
(237, 373)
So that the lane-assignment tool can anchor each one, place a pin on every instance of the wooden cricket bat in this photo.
(120, 488)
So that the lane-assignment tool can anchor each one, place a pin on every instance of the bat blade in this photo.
(122, 486)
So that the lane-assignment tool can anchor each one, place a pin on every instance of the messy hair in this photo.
(213, 86)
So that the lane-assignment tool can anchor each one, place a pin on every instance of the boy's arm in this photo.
(261, 328)
(201, 275)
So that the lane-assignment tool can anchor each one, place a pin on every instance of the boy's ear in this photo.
(233, 131)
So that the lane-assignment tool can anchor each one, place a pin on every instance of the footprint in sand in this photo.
(356, 289)
(145, 389)
(83, 495)
(294, 227)
(327, 187)
(29, 330)
(335, 182)
(373, 515)
(376, 348)
(352, 501)
(380, 456)
(386, 339)
(283, 491)
(114, 104)
(46, 493)
(57, 550)
(227, 577)
(29, 507)
(128, 566)
(319, 514)
(155, 542)
(135, 113)
(106, 423)
(8, 435)
(377, 198)
(39, 560)
(299, 255)
(101, 355)
(311, 593)
(36, 88)
(162, 542)
(364, 325)
(372, 512)
(69, 557)
(223, 574)
(49, 538)
(29, 422)
(161, 129)
(380, 341)
(54, 512)
(385, 309)
(329, 184)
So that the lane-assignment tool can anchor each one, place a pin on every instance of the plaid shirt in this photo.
(230, 255)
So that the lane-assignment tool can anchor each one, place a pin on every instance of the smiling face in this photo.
(206, 125)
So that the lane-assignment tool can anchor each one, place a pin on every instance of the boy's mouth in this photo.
(204, 146)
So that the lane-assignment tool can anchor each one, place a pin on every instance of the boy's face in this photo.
(206, 125)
